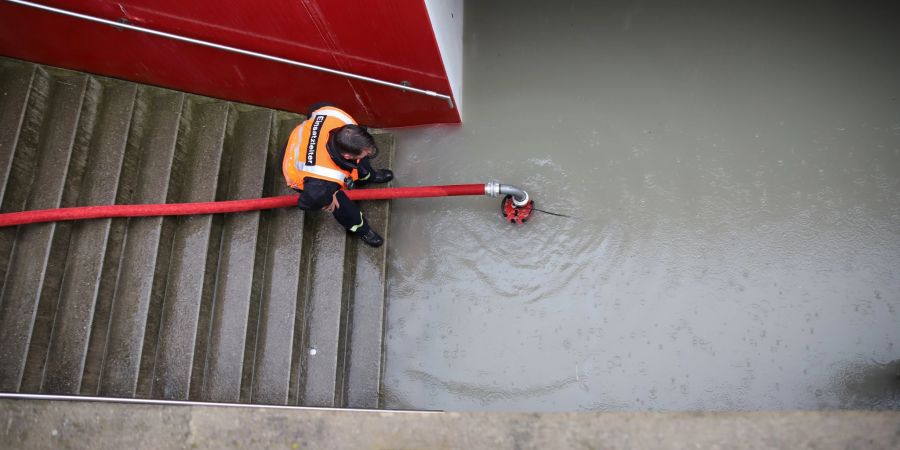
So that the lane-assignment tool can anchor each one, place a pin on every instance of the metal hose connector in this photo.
(495, 189)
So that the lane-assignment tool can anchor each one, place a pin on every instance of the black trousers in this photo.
(317, 194)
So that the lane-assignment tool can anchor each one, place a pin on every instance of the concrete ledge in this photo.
(49, 424)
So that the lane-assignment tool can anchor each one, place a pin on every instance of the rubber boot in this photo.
(370, 237)
(381, 176)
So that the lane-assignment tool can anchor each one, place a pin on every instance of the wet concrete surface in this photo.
(366, 322)
(734, 171)
(234, 293)
(23, 288)
(68, 346)
(155, 129)
(188, 289)
(75, 425)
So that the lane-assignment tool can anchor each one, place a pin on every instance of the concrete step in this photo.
(127, 179)
(15, 87)
(365, 327)
(326, 306)
(281, 322)
(28, 280)
(48, 302)
(20, 135)
(222, 308)
(87, 248)
(194, 247)
(140, 284)
(236, 300)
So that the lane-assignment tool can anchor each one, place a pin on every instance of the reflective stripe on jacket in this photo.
(306, 155)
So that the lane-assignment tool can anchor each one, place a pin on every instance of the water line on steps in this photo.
(150, 401)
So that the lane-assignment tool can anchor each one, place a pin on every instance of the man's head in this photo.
(353, 142)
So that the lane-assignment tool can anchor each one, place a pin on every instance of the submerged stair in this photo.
(268, 307)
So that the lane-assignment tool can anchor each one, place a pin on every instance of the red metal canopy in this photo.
(390, 40)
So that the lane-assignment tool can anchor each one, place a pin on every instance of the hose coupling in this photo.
(492, 189)
(495, 189)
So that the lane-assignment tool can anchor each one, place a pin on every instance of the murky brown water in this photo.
(736, 171)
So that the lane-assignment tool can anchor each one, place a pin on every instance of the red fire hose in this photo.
(230, 206)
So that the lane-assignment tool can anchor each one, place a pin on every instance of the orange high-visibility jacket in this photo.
(306, 155)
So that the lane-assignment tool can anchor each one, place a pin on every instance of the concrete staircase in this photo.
(274, 307)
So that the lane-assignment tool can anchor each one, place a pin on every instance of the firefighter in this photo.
(327, 154)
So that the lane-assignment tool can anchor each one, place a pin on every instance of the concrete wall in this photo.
(447, 22)
(47, 424)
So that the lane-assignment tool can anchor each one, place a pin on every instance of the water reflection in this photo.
(870, 385)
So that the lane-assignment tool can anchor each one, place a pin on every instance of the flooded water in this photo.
(735, 173)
